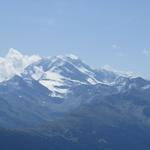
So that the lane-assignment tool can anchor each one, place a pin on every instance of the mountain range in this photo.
(62, 103)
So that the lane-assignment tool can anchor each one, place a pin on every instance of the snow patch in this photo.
(72, 56)
(146, 87)
(92, 81)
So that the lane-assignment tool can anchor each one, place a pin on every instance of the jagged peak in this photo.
(13, 53)
(72, 56)
(67, 56)
(109, 68)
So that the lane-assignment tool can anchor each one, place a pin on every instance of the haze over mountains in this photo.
(64, 100)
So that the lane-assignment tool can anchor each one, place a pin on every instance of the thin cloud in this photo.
(117, 50)
(146, 52)
(120, 54)
(115, 46)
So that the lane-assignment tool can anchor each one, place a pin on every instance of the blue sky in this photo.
(113, 32)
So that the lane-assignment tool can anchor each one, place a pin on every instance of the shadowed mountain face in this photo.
(78, 132)
(61, 103)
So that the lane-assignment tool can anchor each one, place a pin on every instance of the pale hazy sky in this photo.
(114, 32)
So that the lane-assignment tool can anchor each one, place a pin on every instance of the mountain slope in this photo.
(60, 73)
(52, 86)
(25, 103)
(60, 103)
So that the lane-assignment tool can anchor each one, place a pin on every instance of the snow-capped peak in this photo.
(68, 56)
(117, 72)
(58, 73)
(72, 56)
(14, 63)
(13, 53)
